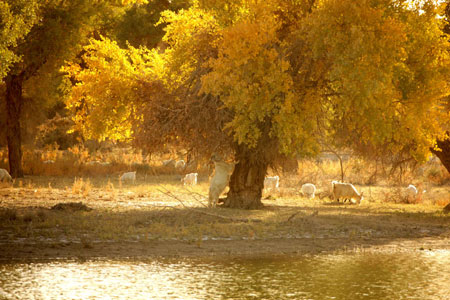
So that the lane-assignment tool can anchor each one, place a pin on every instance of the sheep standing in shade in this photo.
(411, 191)
(346, 191)
(190, 179)
(4, 176)
(180, 165)
(309, 190)
(271, 182)
(220, 179)
(129, 176)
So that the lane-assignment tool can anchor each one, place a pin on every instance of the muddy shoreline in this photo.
(214, 248)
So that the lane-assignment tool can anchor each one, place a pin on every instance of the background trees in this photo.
(39, 37)
(16, 20)
(389, 67)
(255, 80)
(443, 144)
(278, 78)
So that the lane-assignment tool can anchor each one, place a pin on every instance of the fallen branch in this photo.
(170, 194)
(164, 206)
(313, 214)
(192, 192)
(293, 215)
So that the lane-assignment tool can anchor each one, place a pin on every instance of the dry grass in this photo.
(78, 162)
(136, 212)
(81, 187)
(141, 211)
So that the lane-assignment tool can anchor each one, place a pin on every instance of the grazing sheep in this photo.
(190, 179)
(4, 176)
(346, 191)
(271, 182)
(48, 162)
(411, 190)
(129, 176)
(220, 180)
(309, 190)
(180, 165)
(411, 193)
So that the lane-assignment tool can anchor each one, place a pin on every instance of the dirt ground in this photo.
(155, 220)
(235, 248)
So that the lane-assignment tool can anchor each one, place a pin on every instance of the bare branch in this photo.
(192, 193)
(170, 194)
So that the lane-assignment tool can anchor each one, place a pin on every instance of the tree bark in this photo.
(247, 181)
(14, 102)
(443, 155)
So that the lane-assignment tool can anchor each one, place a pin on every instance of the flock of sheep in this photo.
(223, 170)
(222, 173)
(340, 190)
(346, 191)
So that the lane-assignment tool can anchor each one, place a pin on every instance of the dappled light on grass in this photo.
(108, 166)
(160, 208)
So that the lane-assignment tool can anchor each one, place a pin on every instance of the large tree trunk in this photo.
(247, 181)
(443, 155)
(14, 102)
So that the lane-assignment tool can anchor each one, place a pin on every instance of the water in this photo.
(419, 275)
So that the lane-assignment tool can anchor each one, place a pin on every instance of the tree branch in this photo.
(171, 195)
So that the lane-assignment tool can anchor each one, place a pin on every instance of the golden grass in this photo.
(142, 211)
(78, 162)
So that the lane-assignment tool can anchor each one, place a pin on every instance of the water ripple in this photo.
(419, 275)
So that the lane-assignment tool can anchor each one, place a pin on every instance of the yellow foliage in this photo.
(348, 73)
(252, 77)
(388, 67)
(103, 100)
(16, 20)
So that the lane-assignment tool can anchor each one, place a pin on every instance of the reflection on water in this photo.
(424, 275)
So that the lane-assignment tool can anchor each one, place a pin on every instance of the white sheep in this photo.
(346, 191)
(219, 181)
(190, 179)
(180, 165)
(410, 193)
(309, 190)
(271, 182)
(411, 190)
(4, 176)
(48, 162)
(128, 176)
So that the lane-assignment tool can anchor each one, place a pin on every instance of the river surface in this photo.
(419, 275)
